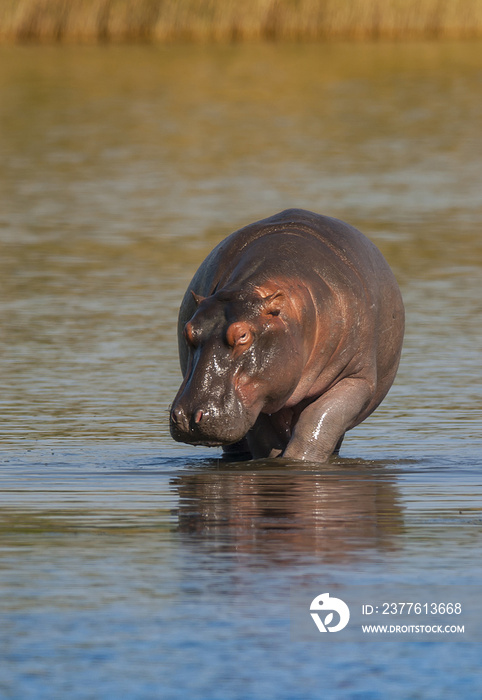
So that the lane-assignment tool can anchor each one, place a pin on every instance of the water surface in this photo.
(136, 567)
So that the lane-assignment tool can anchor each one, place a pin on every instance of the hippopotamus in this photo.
(290, 334)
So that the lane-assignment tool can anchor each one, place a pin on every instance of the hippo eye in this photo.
(190, 334)
(239, 334)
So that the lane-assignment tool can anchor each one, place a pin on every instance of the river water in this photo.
(136, 567)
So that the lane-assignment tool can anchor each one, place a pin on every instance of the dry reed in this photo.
(228, 20)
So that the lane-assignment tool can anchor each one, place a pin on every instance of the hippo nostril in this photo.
(198, 416)
(178, 417)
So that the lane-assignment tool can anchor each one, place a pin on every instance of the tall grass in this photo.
(227, 20)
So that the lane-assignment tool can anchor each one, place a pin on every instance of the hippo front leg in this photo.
(322, 424)
(270, 434)
(239, 451)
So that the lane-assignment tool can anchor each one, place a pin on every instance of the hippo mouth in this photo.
(205, 431)
(191, 438)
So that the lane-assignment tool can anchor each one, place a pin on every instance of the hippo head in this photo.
(240, 357)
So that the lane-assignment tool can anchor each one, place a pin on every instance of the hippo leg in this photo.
(270, 434)
(238, 451)
(336, 451)
(322, 424)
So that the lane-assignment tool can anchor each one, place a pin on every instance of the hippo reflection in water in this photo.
(290, 334)
(335, 512)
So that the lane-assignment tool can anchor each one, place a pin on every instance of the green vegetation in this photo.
(227, 20)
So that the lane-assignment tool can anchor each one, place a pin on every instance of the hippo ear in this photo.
(197, 297)
(272, 303)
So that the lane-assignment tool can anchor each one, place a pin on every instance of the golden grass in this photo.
(228, 20)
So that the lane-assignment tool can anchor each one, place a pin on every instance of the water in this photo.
(133, 566)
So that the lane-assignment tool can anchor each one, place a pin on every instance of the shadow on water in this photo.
(283, 511)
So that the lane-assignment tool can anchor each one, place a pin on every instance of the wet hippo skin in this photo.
(290, 334)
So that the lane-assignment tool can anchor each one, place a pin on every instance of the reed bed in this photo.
(236, 20)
